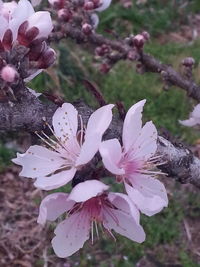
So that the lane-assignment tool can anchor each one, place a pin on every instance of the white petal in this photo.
(111, 153)
(56, 180)
(86, 190)
(149, 194)
(105, 5)
(146, 144)
(33, 92)
(196, 111)
(125, 204)
(132, 124)
(194, 118)
(52, 206)
(38, 161)
(29, 78)
(98, 123)
(190, 122)
(71, 235)
(123, 224)
(65, 121)
(95, 20)
(21, 14)
(41, 20)
(7, 9)
(88, 149)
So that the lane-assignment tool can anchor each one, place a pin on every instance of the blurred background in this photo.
(173, 236)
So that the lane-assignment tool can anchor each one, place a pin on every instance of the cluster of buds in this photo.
(23, 48)
(98, 5)
(80, 14)
(188, 65)
(138, 40)
(70, 151)
(102, 50)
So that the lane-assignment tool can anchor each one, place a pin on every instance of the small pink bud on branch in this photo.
(9, 74)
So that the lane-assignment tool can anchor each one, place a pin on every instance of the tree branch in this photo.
(125, 50)
(29, 114)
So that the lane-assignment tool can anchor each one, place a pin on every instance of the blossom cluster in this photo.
(72, 148)
(23, 48)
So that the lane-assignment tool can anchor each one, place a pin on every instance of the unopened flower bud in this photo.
(64, 14)
(47, 58)
(58, 4)
(128, 40)
(139, 40)
(96, 3)
(132, 55)
(102, 50)
(89, 5)
(99, 51)
(188, 62)
(146, 35)
(104, 68)
(86, 28)
(9, 74)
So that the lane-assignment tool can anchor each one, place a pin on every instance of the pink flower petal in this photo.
(7, 9)
(194, 117)
(52, 206)
(111, 153)
(123, 224)
(38, 161)
(95, 20)
(29, 78)
(196, 112)
(71, 234)
(65, 121)
(191, 122)
(124, 203)
(148, 194)
(41, 20)
(146, 144)
(20, 14)
(98, 123)
(86, 190)
(105, 4)
(132, 124)
(88, 149)
(56, 180)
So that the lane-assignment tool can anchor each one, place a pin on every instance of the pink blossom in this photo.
(20, 24)
(194, 118)
(131, 162)
(6, 9)
(95, 5)
(69, 150)
(103, 4)
(87, 206)
(13, 15)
